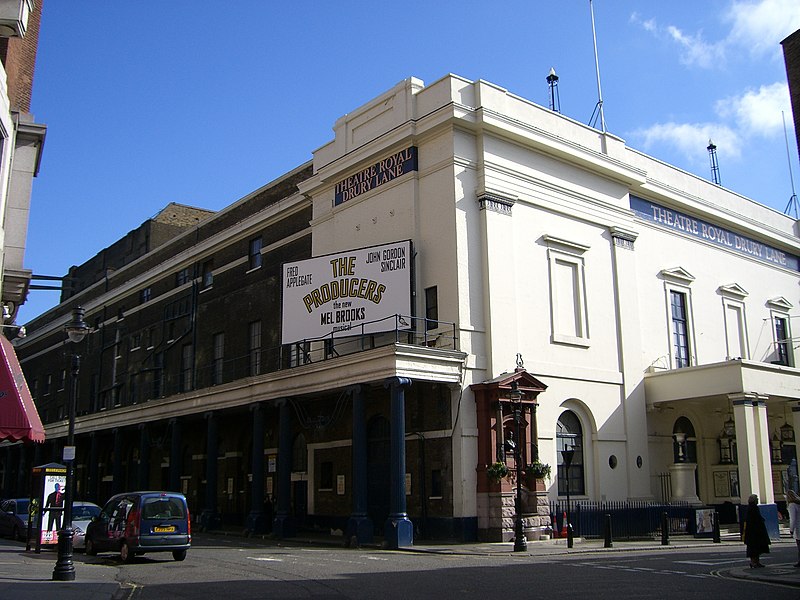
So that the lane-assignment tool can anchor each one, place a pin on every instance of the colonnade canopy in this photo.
(722, 380)
(19, 419)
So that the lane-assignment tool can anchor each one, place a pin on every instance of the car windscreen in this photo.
(22, 507)
(84, 513)
(163, 507)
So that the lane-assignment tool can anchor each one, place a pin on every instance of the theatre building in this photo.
(459, 281)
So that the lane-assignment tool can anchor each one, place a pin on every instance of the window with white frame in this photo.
(781, 332)
(733, 307)
(568, 310)
(679, 317)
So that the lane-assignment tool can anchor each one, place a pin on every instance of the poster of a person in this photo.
(54, 487)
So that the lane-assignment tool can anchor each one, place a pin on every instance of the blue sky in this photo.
(201, 102)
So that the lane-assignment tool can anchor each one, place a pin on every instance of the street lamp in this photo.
(520, 542)
(567, 454)
(64, 570)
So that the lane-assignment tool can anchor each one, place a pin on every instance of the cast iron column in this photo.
(208, 519)
(359, 526)
(283, 526)
(91, 485)
(256, 518)
(398, 530)
(175, 455)
(116, 468)
(144, 457)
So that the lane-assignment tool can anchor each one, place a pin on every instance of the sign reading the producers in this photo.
(348, 293)
(376, 175)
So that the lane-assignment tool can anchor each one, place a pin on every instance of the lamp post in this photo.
(64, 570)
(567, 455)
(520, 542)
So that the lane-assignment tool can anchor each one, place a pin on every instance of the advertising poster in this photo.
(347, 293)
(53, 507)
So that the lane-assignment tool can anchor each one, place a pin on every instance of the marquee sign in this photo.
(376, 175)
(346, 293)
(719, 236)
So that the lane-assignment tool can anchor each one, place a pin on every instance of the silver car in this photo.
(82, 513)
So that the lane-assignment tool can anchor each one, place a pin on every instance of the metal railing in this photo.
(630, 519)
(157, 382)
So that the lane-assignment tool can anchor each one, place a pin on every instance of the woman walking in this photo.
(755, 533)
(794, 519)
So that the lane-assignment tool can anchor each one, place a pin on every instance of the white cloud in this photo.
(761, 25)
(691, 139)
(758, 112)
(757, 25)
(697, 51)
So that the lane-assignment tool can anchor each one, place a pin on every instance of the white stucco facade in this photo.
(523, 220)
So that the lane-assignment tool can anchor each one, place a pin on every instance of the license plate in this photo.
(164, 529)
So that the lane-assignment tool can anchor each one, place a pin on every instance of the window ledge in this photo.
(251, 269)
(570, 340)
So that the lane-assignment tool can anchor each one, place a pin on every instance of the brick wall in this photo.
(19, 58)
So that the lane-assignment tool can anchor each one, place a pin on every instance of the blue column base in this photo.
(398, 532)
(283, 527)
(359, 531)
(256, 522)
(209, 519)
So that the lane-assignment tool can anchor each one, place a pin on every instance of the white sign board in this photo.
(347, 293)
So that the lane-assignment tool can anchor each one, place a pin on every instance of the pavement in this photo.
(28, 576)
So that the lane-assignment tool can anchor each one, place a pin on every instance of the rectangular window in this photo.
(208, 274)
(158, 375)
(255, 253)
(145, 295)
(680, 329)
(431, 307)
(187, 370)
(217, 368)
(255, 348)
(326, 476)
(182, 277)
(782, 341)
(62, 384)
(436, 483)
(48, 382)
(94, 396)
(133, 392)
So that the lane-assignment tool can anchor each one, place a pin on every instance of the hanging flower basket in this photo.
(496, 471)
(538, 470)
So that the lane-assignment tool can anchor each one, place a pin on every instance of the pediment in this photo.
(780, 303)
(677, 275)
(733, 290)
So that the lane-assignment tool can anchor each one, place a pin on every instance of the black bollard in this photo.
(664, 529)
(608, 543)
(717, 538)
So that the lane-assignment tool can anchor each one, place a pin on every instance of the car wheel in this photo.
(126, 554)
(90, 549)
(179, 555)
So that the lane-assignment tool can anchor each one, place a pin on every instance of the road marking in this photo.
(708, 563)
(265, 558)
(374, 558)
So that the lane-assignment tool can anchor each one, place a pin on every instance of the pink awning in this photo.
(19, 419)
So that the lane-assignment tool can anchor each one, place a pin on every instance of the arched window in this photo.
(684, 444)
(299, 455)
(569, 434)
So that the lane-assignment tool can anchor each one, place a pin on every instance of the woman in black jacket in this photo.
(756, 537)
